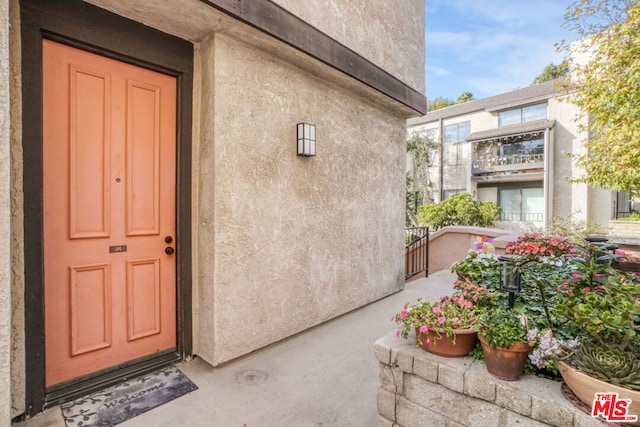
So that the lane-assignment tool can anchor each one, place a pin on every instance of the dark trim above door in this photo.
(79, 24)
(272, 19)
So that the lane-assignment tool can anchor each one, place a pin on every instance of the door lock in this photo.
(169, 250)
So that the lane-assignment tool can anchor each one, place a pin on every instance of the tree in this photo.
(465, 97)
(552, 72)
(422, 150)
(606, 87)
(439, 103)
(460, 209)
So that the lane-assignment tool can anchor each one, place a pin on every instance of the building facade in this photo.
(153, 204)
(512, 149)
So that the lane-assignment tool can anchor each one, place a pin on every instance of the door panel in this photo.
(109, 185)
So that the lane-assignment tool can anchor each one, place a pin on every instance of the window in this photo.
(523, 114)
(432, 153)
(456, 149)
(448, 193)
(522, 203)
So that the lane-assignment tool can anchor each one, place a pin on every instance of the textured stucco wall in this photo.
(17, 223)
(573, 199)
(390, 34)
(281, 243)
(293, 241)
(5, 214)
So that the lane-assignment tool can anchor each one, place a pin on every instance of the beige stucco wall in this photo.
(281, 243)
(393, 36)
(291, 241)
(578, 200)
(17, 223)
(453, 243)
(5, 213)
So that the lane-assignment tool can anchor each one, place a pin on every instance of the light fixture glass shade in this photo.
(510, 274)
(306, 139)
(511, 278)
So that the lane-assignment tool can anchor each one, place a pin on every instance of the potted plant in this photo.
(445, 327)
(503, 336)
(606, 306)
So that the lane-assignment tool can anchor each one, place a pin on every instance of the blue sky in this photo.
(488, 47)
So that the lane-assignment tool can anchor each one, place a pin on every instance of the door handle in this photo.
(169, 250)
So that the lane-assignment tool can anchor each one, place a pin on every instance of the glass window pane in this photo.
(432, 133)
(451, 133)
(463, 152)
(464, 129)
(532, 204)
(510, 203)
(534, 112)
(509, 117)
(450, 154)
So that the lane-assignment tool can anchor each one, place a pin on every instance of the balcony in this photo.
(512, 162)
(522, 216)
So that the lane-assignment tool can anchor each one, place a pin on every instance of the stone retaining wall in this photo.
(421, 389)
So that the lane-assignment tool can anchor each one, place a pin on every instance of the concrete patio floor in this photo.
(326, 376)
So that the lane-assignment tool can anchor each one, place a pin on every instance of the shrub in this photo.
(461, 209)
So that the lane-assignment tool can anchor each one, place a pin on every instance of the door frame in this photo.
(96, 30)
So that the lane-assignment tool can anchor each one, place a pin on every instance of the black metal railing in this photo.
(416, 259)
(521, 216)
(512, 159)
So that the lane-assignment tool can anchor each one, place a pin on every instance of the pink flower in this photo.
(576, 275)
(587, 289)
(442, 319)
(398, 334)
(455, 324)
(423, 329)
(403, 314)
(436, 310)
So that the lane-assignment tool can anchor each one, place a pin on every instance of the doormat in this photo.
(128, 399)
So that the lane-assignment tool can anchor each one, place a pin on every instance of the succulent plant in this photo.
(610, 364)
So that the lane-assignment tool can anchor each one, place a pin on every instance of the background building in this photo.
(511, 149)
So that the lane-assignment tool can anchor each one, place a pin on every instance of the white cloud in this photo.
(490, 46)
(436, 71)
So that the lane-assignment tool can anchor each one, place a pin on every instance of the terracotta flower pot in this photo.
(505, 363)
(627, 266)
(586, 387)
(442, 345)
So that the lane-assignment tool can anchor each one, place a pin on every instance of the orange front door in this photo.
(109, 183)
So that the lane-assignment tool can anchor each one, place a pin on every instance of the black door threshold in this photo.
(87, 384)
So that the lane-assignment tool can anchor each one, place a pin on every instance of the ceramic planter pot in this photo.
(505, 363)
(442, 345)
(586, 387)
(627, 266)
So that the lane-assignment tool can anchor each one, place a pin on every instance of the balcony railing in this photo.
(521, 216)
(512, 159)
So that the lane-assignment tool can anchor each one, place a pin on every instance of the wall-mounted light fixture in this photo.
(306, 139)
